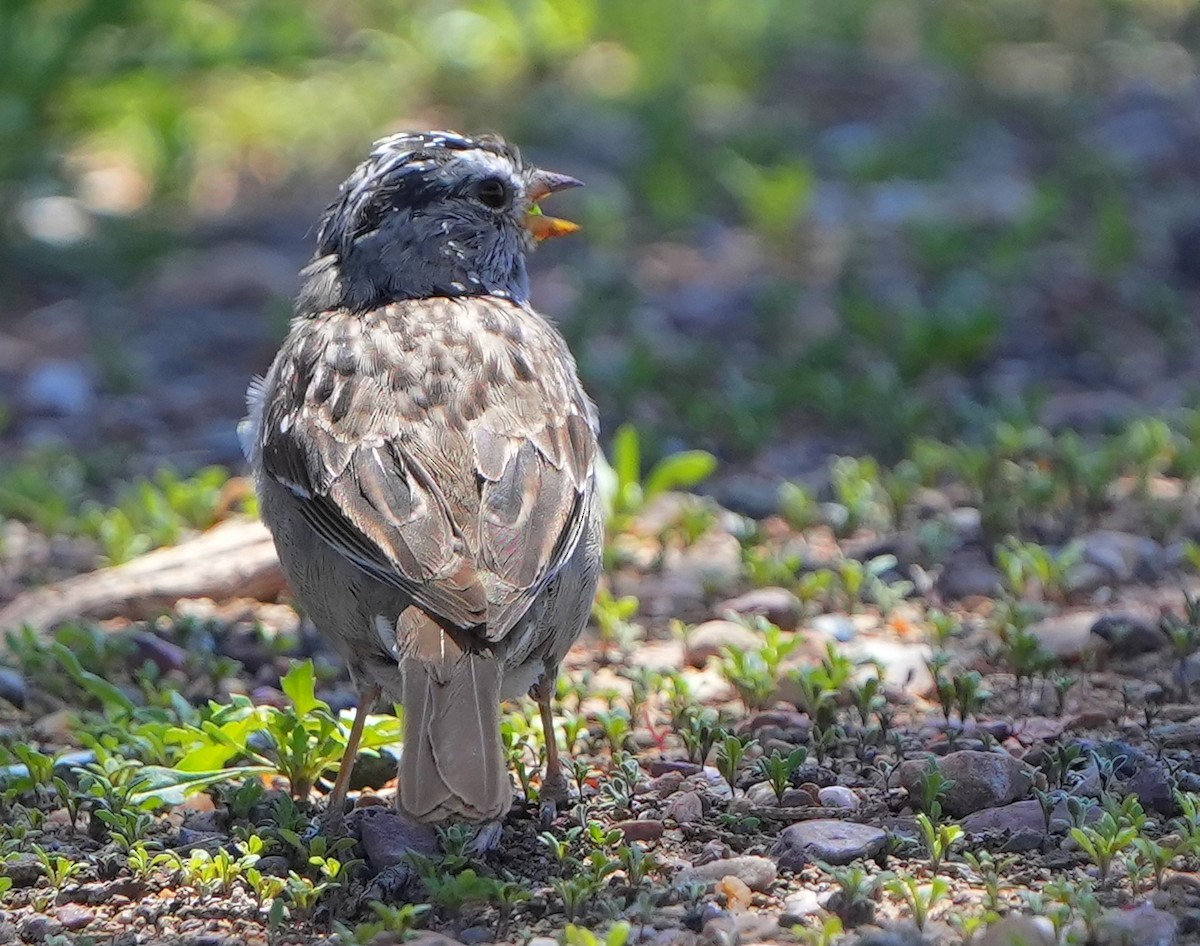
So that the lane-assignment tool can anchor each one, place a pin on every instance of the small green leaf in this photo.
(171, 786)
(109, 696)
(627, 457)
(680, 471)
(300, 685)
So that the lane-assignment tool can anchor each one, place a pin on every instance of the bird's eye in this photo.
(493, 193)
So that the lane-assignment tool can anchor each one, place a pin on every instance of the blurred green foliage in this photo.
(198, 87)
(685, 116)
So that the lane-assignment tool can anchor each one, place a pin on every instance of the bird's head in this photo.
(432, 214)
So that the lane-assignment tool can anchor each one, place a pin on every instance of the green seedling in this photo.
(731, 753)
(777, 769)
(921, 899)
(1103, 841)
(939, 839)
(931, 787)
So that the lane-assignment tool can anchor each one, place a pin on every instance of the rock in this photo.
(12, 687)
(643, 829)
(798, 907)
(714, 561)
(1144, 925)
(61, 388)
(762, 795)
(757, 873)
(714, 783)
(1086, 578)
(55, 727)
(831, 841)
(386, 836)
(474, 935)
(838, 796)
(687, 808)
(1019, 930)
(1123, 555)
(968, 574)
(798, 798)
(720, 931)
(1152, 785)
(74, 917)
(273, 865)
(23, 869)
(900, 664)
(1021, 816)
(777, 605)
(737, 895)
(373, 769)
(666, 784)
(37, 927)
(659, 767)
(430, 938)
(1136, 772)
(981, 779)
(163, 654)
(757, 928)
(1177, 735)
(750, 495)
(814, 777)
(838, 627)
(710, 639)
(1128, 635)
(906, 935)
(1067, 636)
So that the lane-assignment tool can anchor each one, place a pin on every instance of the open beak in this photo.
(541, 185)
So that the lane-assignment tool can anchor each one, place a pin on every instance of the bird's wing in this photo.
(442, 446)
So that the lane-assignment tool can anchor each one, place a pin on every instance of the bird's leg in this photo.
(555, 791)
(334, 820)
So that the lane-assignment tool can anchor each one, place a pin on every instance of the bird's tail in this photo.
(453, 763)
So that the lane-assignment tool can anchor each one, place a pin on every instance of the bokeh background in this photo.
(828, 227)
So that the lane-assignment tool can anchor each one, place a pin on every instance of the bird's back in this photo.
(443, 448)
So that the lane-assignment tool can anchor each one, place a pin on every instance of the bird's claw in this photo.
(390, 884)
(332, 824)
(487, 839)
(555, 795)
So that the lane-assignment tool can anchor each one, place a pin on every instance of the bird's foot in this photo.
(332, 824)
(390, 884)
(487, 839)
(554, 796)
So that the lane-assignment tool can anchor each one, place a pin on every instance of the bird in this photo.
(425, 456)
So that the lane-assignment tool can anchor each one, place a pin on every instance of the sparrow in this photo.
(425, 458)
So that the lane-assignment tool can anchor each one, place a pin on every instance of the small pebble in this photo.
(778, 605)
(835, 842)
(37, 927)
(711, 638)
(798, 798)
(1018, 930)
(646, 829)
(737, 895)
(1144, 925)
(73, 916)
(757, 873)
(798, 906)
(838, 796)
(667, 784)
(686, 808)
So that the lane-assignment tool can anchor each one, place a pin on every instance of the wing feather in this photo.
(444, 447)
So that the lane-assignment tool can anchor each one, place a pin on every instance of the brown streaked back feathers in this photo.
(461, 486)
